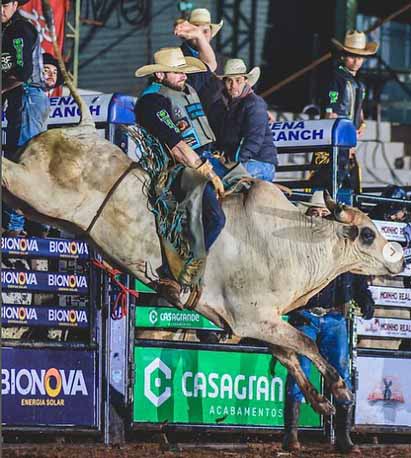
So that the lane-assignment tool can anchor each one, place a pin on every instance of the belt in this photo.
(321, 311)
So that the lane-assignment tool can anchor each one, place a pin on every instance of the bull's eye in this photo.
(367, 235)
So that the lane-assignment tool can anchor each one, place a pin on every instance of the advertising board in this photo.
(211, 387)
(49, 387)
(384, 391)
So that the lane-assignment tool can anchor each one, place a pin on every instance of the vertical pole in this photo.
(252, 33)
(334, 172)
(76, 42)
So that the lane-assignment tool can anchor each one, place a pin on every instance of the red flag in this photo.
(34, 12)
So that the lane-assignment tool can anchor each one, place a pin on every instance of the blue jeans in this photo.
(27, 113)
(213, 214)
(262, 170)
(331, 335)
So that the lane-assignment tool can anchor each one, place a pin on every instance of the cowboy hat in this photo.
(356, 43)
(48, 59)
(236, 67)
(317, 200)
(201, 16)
(171, 60)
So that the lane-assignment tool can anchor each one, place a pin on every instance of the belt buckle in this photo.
(319, 311)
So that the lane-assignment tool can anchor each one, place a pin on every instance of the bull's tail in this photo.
(85, 116)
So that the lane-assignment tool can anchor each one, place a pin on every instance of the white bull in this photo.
(270, 259)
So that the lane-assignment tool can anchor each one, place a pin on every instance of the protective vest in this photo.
(187, 114)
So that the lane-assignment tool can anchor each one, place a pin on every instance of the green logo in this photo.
(18, 46)
(333, 96)
(211, 387)
(164, 117)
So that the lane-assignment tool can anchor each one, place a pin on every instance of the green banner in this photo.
(166, 317)
(212, 387)
(142, 288)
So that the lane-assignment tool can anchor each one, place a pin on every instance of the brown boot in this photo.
(170, 290)
(343, 423)
(291, 417)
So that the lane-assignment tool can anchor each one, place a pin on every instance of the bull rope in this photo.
(118, 310)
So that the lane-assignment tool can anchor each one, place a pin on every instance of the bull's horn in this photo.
(339, 211)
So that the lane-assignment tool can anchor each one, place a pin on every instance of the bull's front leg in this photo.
(290, 361)
(282, 334)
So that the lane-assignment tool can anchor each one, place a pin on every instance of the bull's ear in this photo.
(350, 232)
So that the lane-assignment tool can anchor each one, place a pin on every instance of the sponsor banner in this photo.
(48, 387)
(64, 110)
(44, 281)
(383, 396)
(302, 133)
(391, 231)
(166, 317)
(44, 316)
(212, 387)
(384, 327)
(397, 297)
(50, 248)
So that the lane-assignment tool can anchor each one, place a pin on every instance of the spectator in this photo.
(171, 110)
(52, 74)
(344, 98)
(323, 320)
(23, 89)
(391, 211)
(201, 18)
(240, 122)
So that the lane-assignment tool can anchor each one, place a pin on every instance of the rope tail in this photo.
(85, 116)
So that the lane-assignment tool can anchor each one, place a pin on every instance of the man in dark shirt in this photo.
(22, 87)
(171, 111)
(240, 122)
(323, 320)
(343, 98)
(200, 19)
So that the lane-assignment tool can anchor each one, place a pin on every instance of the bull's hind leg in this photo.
(290, 361)
(286, 336)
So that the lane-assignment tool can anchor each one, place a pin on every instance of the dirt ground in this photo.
(191, 450)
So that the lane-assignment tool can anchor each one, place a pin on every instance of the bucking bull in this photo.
(270, 258)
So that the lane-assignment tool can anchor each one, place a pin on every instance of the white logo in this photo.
(153, 317)
(157, 401)
(392, 252)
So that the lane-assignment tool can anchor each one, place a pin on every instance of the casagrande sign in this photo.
(212, 387)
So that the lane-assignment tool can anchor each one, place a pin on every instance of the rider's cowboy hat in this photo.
(356, 43)
(317, 200)
(172, 60)
(236, 67)
(201, 16)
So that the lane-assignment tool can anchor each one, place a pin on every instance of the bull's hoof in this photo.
(340, 391)
(322, 406)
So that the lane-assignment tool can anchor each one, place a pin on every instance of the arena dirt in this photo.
(144, 450)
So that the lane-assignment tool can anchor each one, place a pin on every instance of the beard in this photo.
(176, 86)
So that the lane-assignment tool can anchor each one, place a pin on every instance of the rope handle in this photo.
(119, 308)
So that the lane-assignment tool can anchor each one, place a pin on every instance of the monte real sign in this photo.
(207, 387)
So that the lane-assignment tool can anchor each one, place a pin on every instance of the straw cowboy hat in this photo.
(171, 60)
(356, 43)
(317, 200)
(201, 16)
(236, 67)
